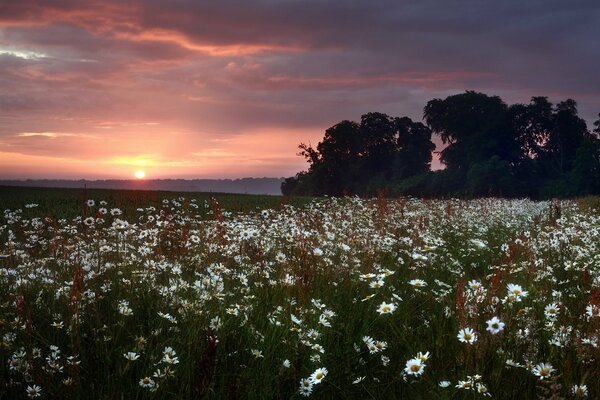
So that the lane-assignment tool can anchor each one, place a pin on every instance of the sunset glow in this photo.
(139, 174)
(223, 90)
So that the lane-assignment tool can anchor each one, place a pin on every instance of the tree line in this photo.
(536, 150)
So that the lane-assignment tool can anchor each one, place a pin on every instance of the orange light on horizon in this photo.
(140, 174)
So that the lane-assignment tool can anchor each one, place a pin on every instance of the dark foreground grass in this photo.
(69, 203)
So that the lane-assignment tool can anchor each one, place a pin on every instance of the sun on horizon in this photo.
(139, 174)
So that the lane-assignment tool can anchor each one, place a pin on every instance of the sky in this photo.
(224, 89)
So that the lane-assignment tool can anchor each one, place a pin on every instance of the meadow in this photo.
(116, 295)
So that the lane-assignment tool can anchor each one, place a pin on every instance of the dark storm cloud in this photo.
(221, 69)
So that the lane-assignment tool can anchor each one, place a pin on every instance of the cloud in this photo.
(235, 71)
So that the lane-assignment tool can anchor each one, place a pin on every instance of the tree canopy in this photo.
(488, 148)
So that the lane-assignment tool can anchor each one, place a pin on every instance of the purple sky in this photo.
(229, 88)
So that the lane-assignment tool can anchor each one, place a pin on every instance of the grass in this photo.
(69, 203)
(254, 303)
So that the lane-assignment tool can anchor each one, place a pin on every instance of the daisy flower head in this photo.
(131, 356)
(592, 311)
(418, 283)
(386, 308)
(579, 391)
(474, 284)
(551, 311)
(318, 375)
(306, 387)
(482, 389)
(147, 383)
(465, 385)
(494, 326)
(517, 291)
(414, 366)
(33, 391)
(370, 343)
(467, 335)
(543, 370)
(423, 356)
(376, 284)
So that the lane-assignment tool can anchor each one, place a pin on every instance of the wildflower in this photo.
(318, 375)
(370, 343)
(517, 291)
(312, 334)
(418, 283)
(33, 391)
(368, 297)
(467, 335)
(482, 389)
(286, 363)
(124, 308)
(579, 390)
(423, 357)
(543, 370)
(466, 385)
(414, 366)
(318, 347)
(386, 308)
(91, 203)
(444, 384)
(58, 324)
(376, 284)
(89, 221)
(131, 356)
(474, 284)
(478, 243)
(306, 387)
(115, 212)
(215, 323)
(494, 325)
(257, 353)
(169, 356)
(359, 380)
(592, 311)
(551, 311)
(147, 383)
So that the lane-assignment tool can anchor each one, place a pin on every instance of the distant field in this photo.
(68, 203)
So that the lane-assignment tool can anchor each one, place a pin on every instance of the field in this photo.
(133, 295)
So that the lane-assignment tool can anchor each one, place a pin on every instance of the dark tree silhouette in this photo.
(491, 148)
(475, 127)
(363, 158)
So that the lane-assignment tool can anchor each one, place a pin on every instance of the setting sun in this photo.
(140, 174)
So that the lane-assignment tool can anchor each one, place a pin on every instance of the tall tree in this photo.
(566, 136)
(361, 158)
(414, 148)
(474, 127)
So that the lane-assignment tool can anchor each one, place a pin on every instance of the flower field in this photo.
(337, 298)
